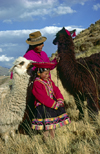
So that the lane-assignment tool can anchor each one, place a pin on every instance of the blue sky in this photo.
(18, 18)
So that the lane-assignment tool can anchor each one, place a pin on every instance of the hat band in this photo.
(37, 39)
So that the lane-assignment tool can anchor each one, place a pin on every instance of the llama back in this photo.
(92, 63)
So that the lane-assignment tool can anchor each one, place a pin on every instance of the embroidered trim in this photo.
(60, 99)
(49, 89)
(50, 123)
(53, 104)
(48, 86)
(37, 127)
(54, 126)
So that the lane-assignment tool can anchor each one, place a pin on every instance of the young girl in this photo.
(49, 102)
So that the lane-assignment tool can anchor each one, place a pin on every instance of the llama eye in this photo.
(22, 63)
(29, 66)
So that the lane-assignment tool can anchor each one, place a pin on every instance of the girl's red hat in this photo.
(48, 65)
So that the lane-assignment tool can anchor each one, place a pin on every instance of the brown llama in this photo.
(80, 77)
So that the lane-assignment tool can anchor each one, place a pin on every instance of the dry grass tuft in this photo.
(79, 137)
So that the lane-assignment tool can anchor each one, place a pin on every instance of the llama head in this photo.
(64, 41)
(63, 31)
(21, 65)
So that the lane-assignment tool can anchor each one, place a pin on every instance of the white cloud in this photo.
(63, 10)
(0, 49)
(4, 58)
(73, 2)
(96, 7)
(52, 30)
(23, 10)
(19, 35)
(8, 44)
(7, 21)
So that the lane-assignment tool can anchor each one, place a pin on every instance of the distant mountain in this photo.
(4, 71)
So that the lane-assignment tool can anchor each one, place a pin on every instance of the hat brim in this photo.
(43, 39)
(48, 65)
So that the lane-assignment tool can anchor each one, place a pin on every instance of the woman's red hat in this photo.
(48, 65)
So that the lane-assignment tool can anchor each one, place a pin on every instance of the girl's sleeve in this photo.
(57, 93)
(40, 94)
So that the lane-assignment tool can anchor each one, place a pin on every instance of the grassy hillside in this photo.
(88, 41)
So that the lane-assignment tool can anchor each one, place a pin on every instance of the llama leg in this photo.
(92, 104)
(79, 103)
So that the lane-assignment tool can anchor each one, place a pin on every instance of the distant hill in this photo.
(4, 71)
(88, 41)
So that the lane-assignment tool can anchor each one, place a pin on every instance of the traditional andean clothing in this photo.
(47, 115)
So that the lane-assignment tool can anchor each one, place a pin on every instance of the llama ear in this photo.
(63, 28)
(68, 32)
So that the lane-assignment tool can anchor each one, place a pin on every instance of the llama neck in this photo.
(66, 48)
(20, 85)
(66, 51)
(67, 61)
(16, 96)
(67, 66)
(67, 56)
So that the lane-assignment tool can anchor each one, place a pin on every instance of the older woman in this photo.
(34, 52)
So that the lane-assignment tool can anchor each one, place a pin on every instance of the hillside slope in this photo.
(4, 71)
(88, 41)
